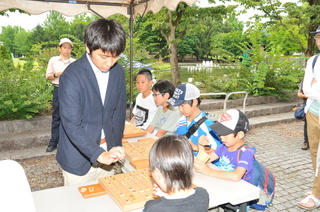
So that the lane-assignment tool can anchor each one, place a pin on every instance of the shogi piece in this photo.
(92, 191)
(131, 130)
(130, 190)
(138, 150)
(203, 156)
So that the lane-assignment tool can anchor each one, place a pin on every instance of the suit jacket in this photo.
(83, 115)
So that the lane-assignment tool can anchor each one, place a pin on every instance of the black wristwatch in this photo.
(55, 75)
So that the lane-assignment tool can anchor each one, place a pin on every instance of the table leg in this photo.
(243, 207)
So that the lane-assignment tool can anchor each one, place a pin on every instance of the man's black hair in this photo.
(107, 35)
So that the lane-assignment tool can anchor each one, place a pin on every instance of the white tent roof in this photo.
(103, 7)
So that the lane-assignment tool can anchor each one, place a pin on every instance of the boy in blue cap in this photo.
(187, 97)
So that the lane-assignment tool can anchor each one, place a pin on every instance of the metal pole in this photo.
(130, 11)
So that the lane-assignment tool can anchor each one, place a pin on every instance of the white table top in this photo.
(68, 198)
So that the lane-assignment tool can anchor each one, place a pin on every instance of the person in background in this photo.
(187, 97)
(145, 107)
(246, 55)
(171, 164)
(165, 120)
(56, 66)
(311, 88)
(92, 97)
(305, 144)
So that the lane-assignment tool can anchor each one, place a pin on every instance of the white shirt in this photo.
(103, 80)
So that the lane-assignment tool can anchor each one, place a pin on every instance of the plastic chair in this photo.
(15, 195)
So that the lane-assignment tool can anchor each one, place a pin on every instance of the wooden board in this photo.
(124, 141)
(130, 190)
(92, 191)
(140, 164)
(138, 150)
(131, 130)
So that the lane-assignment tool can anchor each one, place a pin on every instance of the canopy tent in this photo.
(102, 8)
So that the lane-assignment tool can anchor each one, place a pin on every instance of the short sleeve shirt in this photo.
(166, 121)
(229, 161)
(183, 126)
(56, 64)
(144, 111)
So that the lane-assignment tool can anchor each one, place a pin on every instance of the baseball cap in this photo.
(65, 40)
(231, 121)
(182, 93)
(317, 31)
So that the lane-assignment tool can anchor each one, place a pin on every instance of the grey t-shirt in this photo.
(166, 121)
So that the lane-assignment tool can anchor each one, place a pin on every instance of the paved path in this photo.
(278, 149)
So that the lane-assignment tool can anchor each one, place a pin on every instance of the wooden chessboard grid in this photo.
(130, 190)
(138, 150)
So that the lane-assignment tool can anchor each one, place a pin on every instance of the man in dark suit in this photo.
(92, 96)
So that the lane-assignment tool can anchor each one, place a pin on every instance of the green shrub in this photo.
(268, 74)
(23, 92)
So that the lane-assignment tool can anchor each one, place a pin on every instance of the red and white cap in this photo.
(231, 121)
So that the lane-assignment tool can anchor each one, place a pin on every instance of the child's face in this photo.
(160, 99)
(229, 140)
(159, 179)
(186, 109)
(143, 84)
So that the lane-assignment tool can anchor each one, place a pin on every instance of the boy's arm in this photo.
(235, 175)
(161, 132)
(132, 120)
(150, 129)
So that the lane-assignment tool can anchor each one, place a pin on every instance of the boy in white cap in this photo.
(186, 97)
(55, 68)
(232, 127)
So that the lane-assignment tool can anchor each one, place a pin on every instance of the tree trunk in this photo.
(174, 64)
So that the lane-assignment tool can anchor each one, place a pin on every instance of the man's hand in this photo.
(115, 154)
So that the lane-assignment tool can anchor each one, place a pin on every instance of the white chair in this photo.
(15, 192)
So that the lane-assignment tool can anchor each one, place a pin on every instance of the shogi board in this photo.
(130, 190)
(138, 150)
(124, 141)
(131, 130)
(140, 164)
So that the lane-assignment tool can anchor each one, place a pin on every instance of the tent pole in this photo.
(130, 11)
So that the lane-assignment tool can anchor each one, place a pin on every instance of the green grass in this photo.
(17, 62)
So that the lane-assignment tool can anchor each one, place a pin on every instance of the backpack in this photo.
(262, 178)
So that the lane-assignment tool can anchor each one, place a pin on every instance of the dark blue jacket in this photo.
(83, 115)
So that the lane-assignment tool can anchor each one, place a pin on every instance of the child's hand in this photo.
(158, 191)
(201, 167)
(203, 140)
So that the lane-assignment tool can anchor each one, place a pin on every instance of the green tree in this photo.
(173, 25)
(187, 46)
(55, 25)
(8, 35)
(279, 36)
(22, 44)
(305, 16)
(38, 35)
